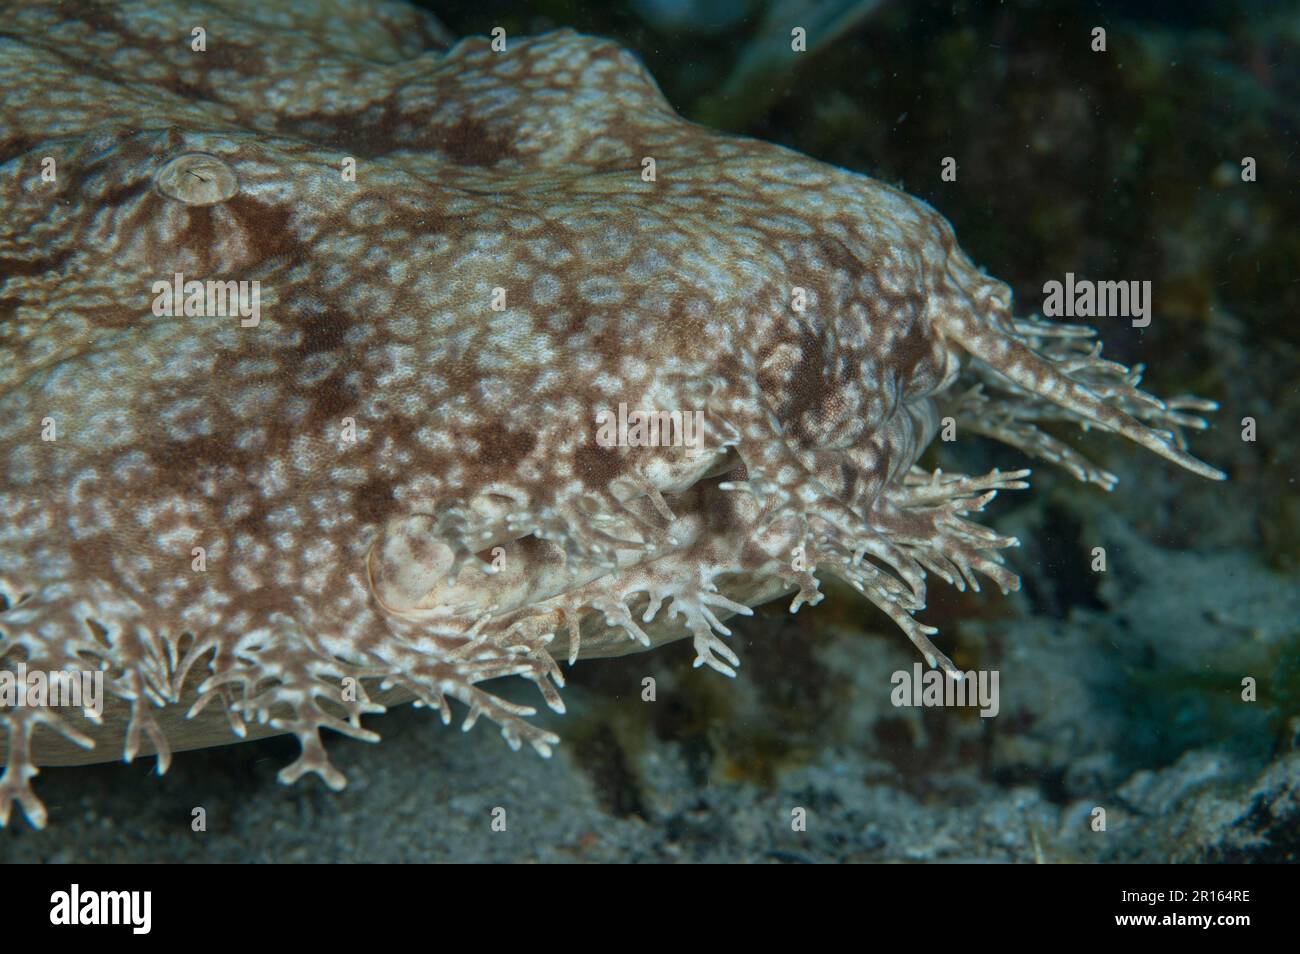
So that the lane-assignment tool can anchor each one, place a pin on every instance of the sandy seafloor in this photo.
(1119, 690)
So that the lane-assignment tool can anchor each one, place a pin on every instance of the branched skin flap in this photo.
(390, 482)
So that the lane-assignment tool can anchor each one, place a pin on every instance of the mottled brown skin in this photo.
(350, 465)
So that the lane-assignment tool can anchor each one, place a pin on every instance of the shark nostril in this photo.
(198, 178)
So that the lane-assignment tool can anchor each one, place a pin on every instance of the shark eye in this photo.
(197, 178)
